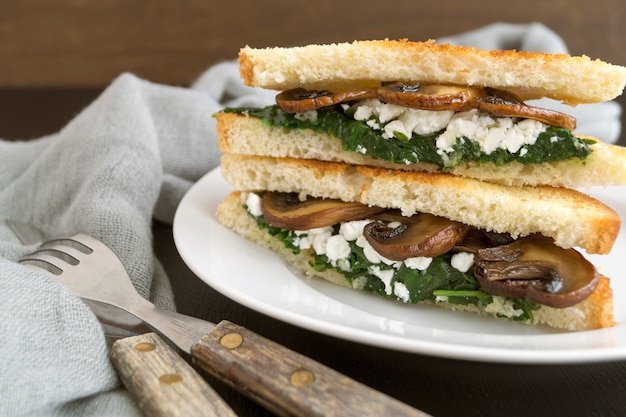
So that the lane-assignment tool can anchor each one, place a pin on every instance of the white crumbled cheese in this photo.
(385, 275)
(371, 254)
(319, 237)
(490, 133)
(303, 242)
(401, 119)
(425, 122)
(502, 306)
(363, 111)
(307, 116)
(314, 238)
(419, 262)
(462, 261)
(401, 291)
(353, 230)
(396, 126)
(253, 202)
(373, 124)
(337, 247)
(441, 299)
(388, 112)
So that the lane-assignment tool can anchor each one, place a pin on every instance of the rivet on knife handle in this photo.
(162, 382)
(285, 382)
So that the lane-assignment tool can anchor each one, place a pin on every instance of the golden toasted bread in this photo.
(530, 75)
(594, 312)
(571, 218)
(239, 133)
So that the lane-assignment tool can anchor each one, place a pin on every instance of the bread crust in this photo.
(530, 75)
(594, 312)
(240, 133)
(571, 218)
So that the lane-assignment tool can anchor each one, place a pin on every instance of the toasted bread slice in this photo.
(594, 312)
(571, 218)
(530, 75)
(239, 133)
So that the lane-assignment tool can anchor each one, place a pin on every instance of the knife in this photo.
(160, 380)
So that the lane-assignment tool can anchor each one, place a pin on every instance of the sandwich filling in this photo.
(483, 126)
(425, 257)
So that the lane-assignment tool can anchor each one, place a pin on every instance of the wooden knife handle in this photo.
(162, 382)
(285, 382)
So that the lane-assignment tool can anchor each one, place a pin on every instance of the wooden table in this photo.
(58, 56)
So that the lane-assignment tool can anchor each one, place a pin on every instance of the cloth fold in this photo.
(126, 159)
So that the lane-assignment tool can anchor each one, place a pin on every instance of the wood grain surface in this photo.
(163, 384)
(286, 382)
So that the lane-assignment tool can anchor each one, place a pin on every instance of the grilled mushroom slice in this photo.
(299, 100)
(505, 104)
(287, 210)
(421, 235)
(479, 239)
(535, 269)
(430, 97)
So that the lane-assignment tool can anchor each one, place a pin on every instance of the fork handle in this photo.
(285, 382)
(162, 382)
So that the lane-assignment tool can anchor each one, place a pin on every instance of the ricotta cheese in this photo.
(421, 263)
(401, 291)
(462, 261)
(337, 247)
(253, 202)
(490, 133)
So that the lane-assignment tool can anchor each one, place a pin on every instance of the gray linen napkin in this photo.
(126, 159)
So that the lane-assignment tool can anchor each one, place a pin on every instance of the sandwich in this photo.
(471, 207)
(429, 107)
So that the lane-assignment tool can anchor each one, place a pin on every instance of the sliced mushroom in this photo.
(479, 239)
(430, 97)
(421, 235)
(299, 100)
(287, 210)
(535, 269)
(493, 101)
(505, 104)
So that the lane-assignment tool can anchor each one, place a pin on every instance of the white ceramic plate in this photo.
(256, 278)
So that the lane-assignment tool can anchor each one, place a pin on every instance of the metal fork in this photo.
(145, 363)
(285, 382)
(93, 272)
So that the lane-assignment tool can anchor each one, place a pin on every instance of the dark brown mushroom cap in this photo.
(504, 104)
(421, 235)
(287, 210)
(492, 101)
(300, 100)
(430, 97)
(535, 269)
